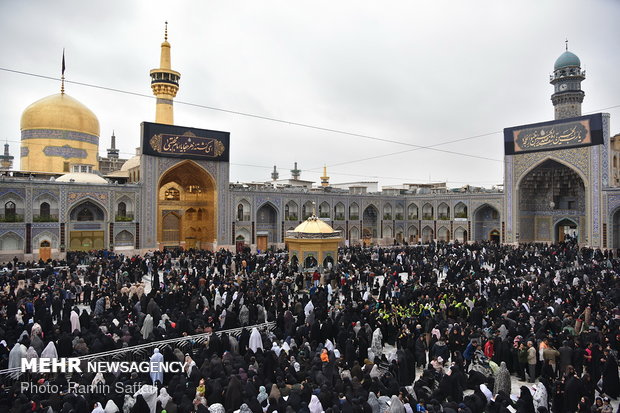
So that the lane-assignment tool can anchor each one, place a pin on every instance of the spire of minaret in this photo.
(275, 175)
(112, 151)
(295, 172)
(6, 160)
(324, 178)
(165, 84)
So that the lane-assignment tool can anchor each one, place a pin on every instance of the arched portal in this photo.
(354, 234)
(443, 234)
(565, 230)
(87, 227)
(187, 187)
(427, 235)
(369, 221)
(549, 192)
(266, 226)
(485, 220)
(460, 234)
(310, 262)
(328, 262)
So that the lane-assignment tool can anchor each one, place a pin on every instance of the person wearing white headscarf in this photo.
(156, 366)
(262, 394)
(128, 403)
(75, 321)
(373, 402)
(98, 408)
(396, 406)
(487, 392)
(99, 379)
(19, 317)
(308, 308)
(111, 407)
(31, 354)
(189, 365)
(256, 341)
(217, 408)
(17, 353)
(384, 404)
(540, 397)
(36, 330)
(375, 372)
(163, 397)
(222, 319)
(150, 396)
(147, 326)
(218, 299)
(377, 343)
(244, 315)
(315, 405)
(50, 351)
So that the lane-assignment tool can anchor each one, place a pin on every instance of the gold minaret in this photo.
(324, 178)
(165, 84)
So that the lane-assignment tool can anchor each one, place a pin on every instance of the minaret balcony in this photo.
(567, 73)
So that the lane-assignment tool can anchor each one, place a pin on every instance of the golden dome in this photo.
(60, 111)
(314, 225)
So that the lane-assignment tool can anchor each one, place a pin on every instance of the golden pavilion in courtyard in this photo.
(313, 242)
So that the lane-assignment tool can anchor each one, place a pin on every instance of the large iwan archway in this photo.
(548, 194)
(186, 207)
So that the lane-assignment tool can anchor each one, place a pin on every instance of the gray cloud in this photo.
(421, 73)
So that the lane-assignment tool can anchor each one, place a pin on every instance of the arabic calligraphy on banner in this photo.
(187, 144)
(181, 142)
(566, 133)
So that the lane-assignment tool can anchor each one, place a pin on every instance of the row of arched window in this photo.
(43, 213)
(291, 211)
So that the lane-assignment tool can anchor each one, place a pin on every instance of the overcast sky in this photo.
(421, 73)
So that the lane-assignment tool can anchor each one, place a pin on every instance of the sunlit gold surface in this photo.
(86, 240)
(64, 113)
(314, 226)
(321, 248)
(60, 111)
(165, 91)
(195, 205)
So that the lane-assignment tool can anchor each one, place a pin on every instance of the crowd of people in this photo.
(433, 328)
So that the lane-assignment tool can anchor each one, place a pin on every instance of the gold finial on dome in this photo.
(62, 75)
(166, 32)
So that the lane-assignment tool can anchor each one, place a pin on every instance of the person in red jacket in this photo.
(489, 350)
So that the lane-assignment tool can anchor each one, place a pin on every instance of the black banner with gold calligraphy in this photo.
(554, 135)
(188, 143)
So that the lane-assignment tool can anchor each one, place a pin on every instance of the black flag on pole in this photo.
(63, 62)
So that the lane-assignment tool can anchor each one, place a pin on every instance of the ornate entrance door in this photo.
(262, 242)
